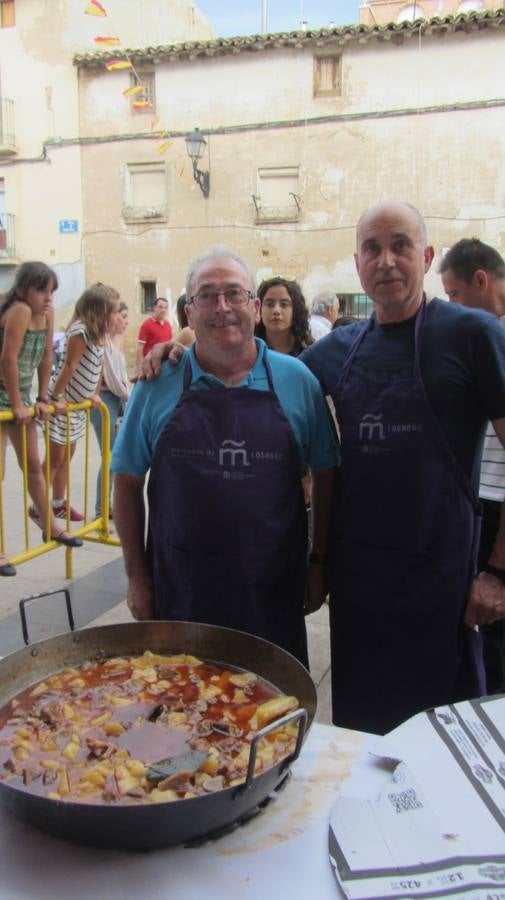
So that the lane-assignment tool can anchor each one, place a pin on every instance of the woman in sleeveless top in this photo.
(114, 391)
(26, 337)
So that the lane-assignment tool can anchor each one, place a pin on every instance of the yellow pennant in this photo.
(164, 147)
(115, 65)
(107, 41)
(94, 8)
(131, 92)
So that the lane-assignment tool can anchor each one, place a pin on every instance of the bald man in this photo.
(413, 388)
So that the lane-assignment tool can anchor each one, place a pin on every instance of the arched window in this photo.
(467, 6)
(411, 12)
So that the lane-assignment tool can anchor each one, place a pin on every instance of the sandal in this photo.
(6, 568)
(63, 538)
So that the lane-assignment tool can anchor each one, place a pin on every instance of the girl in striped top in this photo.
(77, 379)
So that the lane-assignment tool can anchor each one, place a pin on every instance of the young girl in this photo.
(284, 324)
(76, 380)
(114, 390)
(26, 345)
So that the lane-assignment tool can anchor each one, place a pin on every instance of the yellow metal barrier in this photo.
(96, 530)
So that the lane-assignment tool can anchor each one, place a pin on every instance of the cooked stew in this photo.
(145, 729)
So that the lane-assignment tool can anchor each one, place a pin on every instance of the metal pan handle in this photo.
(299, 715)
(25, 600)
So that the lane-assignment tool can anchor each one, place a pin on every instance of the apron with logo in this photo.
(405, 530)
(227, 524)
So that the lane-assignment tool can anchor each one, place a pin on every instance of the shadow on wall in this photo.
(72, 282)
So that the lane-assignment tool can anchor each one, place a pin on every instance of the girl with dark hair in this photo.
(26, 346)
(284, 324)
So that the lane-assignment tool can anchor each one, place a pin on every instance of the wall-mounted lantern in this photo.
(195, 145)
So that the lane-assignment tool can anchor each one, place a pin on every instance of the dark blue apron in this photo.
(227, 524)
(406, 532)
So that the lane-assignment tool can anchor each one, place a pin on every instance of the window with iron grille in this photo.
(145, 100)
(145, 192)
(7, 16)
(358, 305)
(327, 76)
(277, 197)
(148, 292)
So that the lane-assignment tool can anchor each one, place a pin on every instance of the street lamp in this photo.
(195, 145)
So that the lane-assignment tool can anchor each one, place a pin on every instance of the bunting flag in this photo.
(107, 41)
(94, 8)
(132, 91)
(115, 65)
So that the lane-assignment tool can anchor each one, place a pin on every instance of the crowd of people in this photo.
(86, 361)
(229, 420)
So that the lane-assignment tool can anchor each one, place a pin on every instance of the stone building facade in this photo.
(41, 179)
(303, 131)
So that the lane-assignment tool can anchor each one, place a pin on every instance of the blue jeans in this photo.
(113, 404)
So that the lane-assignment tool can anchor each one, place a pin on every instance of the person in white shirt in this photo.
(325, 306)
(473, 274)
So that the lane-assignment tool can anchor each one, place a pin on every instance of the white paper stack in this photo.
(437, 826)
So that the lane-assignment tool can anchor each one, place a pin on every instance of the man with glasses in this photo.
(225, 435)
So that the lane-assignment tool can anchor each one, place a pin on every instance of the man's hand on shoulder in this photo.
(150, 366)
(140, 597)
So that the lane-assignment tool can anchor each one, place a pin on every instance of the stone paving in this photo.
(98, 585)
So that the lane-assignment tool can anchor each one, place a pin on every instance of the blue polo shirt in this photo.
(298, 391)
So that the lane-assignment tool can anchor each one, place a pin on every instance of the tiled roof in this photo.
(298, 39)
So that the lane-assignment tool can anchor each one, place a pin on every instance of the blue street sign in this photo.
(68, 226)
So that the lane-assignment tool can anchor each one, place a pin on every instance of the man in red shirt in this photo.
(154, 330)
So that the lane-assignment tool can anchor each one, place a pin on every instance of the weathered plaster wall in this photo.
(43, 184)
(450, 162)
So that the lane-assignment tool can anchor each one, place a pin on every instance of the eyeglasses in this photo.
(234, 296)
